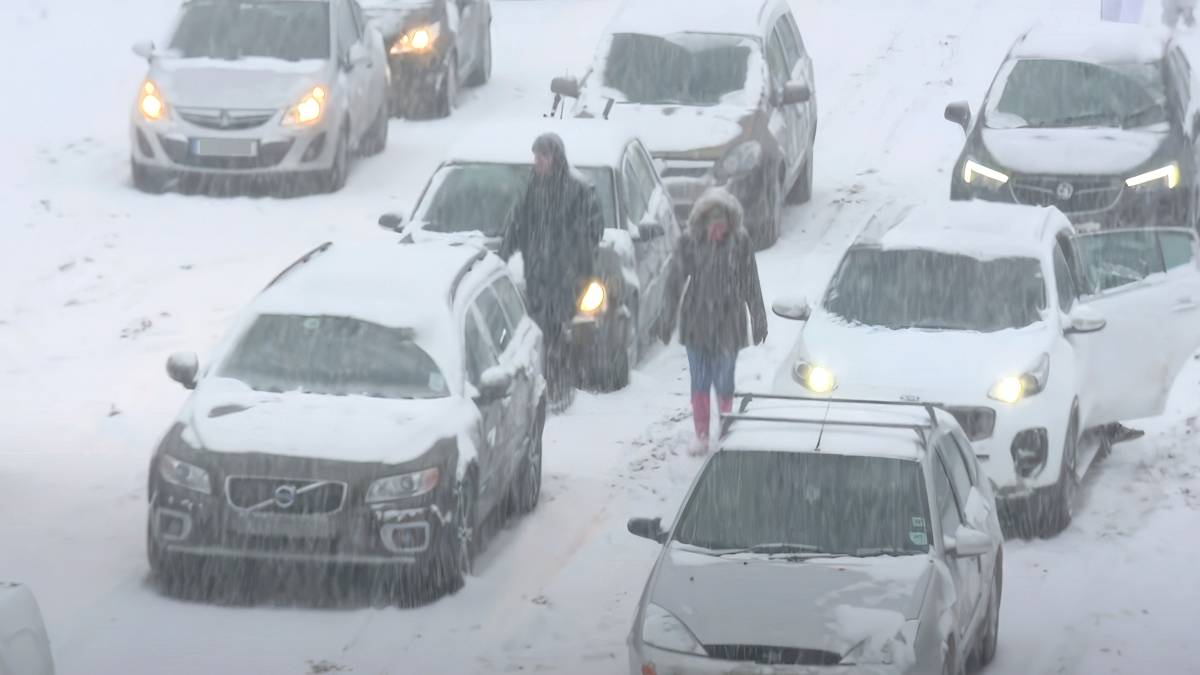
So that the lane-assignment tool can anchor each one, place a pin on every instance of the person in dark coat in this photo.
(715, 263)
(557, 227)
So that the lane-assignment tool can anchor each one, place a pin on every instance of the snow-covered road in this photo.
(98, 284)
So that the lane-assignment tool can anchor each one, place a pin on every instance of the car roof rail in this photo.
(930, 407)
(743, 414)
(303, 259)
(464, 271)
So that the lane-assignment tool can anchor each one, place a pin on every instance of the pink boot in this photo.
(701, 413)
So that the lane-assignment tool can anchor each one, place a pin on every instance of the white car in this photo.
(24, 647)
(827, 536)
(1034, 335)
(278, 89)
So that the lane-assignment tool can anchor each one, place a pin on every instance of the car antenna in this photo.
(821, 432)
(554, 106)
(609, 106)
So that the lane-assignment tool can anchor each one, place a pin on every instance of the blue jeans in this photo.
(712, 371)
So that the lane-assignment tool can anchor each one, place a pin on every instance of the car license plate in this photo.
(224, 147)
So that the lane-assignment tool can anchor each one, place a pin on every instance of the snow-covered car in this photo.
(826, 536)
(1096, 119)
(24, 646)
(722, 92)
(1034, 336)
(474, 191)
(285, 90)
(432, 46)
(371, 407)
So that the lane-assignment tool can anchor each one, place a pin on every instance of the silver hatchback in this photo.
(826, 537)
(282, 89)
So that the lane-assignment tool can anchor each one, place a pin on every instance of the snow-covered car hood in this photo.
(226, 416)
(247, 84)
(394, 20)
(947, 366)
(819, 603)
(674, 129)
(1092, 151)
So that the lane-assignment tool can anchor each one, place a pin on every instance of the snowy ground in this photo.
(99, 283)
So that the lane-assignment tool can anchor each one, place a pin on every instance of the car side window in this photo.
(643, 169)
(1182, 76)
(1064, 281)
(347, 30)
(947, 506)
(1118, 258)
(510, 299)
(790, 49)
(794, 31)
(960, 476)
(360, 23)
(968, 455)
(636, 200)
(777, 60)
(495, 322)
(1178, 249)
(479, 353)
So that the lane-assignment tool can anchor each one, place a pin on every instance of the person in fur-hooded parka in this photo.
(714, 270)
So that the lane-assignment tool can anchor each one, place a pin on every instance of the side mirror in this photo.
(967, 542)
(494, 384)
(794, 309)
(144, 49)
(647, 528)
(794, 93)
(182, 367)
(1083, 320)
(648, 231)
(357, 56)
(391, 221)
(959, 112)
(565, 86)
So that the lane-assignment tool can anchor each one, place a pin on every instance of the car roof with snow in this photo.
(399, 285)
(777, 434)
(664, 17)
(1093, 41)
(589, 142)
(979, 229)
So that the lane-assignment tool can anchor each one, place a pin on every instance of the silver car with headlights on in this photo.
(826, 536)
(287, 90)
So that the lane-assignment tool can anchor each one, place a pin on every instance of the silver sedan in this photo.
(859, 540)
(282, 89)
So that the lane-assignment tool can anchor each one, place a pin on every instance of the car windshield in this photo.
(915, 288)
(698, 69)
(479, 197)
(333, 355)
(818, 503)
(1044, 93)
(291, 31)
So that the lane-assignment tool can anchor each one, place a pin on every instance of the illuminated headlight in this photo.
(180, 473)
(742, 159)
(817, 379)
(403, 486)
(662, 629)
(1167, 176)
(420, 39)
(309, 110)
(974, 173)
(895, 651)
(1013, 388)
(593, 299)
(150, 102)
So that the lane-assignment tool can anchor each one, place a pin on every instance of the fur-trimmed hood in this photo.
(716, 198)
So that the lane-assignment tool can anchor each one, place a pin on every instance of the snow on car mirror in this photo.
(358, 56)
(182, 367)
(1084, 319)
(144, 49)
(967, 542)
(495, 383)
(794, 309)
(391, 221)
(647, 528)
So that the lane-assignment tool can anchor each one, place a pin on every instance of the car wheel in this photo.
(991, 635)
(1056, 514)
(483, 69)
(953, 664)
(147, 180)
(529, 484)
(334, 178)
(448, 94)
(457, 559)
(614, 369)
(801, 192)
(772, 209)
(377, 137)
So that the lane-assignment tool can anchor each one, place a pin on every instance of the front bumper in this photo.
(345, 531)
(1018, 430)
(417, 74)
(1103, 201)
(666, 662)
(686, 181)
(173, 145)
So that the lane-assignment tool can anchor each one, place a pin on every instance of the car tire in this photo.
(991, 633)
(146, 179)
(613, 374)
(772, 209)
(1058, 502)
(175, 575)
(456, 560)
(483, 70)
(334, 179)
(529, 483)
(447, 95)
(377, 137)
(801, 192)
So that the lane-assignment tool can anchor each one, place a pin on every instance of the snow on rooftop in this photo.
(1096, 42)
(664, 17)
(589, 142)
(979, 229)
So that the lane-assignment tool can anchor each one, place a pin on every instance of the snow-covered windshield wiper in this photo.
(885, 550)
(1131, 120)
(1078, 121)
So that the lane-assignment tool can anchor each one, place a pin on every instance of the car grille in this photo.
(977, 423)
(212, 118)
(773, 656)
(1085, 194)
(269, 155)
(285, 495)
(686, 169)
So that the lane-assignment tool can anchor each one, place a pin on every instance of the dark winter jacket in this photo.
(721, 282)
(557, 227)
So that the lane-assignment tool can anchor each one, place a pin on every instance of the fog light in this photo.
(1029, 449)
(315, 148)
(173, 525)
(407, 538)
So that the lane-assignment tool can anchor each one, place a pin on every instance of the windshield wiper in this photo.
(784, 548)
(875, 552)
(1126, 120)
(1077, 120)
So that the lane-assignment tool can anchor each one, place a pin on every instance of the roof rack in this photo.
(742, 416)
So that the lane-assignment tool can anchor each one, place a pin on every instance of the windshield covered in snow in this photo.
(292, 31)
(782, 502)
(332, 355)
(1041, 93)
(480, 197)
(698, 69)
(915, 288)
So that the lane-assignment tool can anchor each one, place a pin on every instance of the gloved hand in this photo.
(665, 330)
(759, 332)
